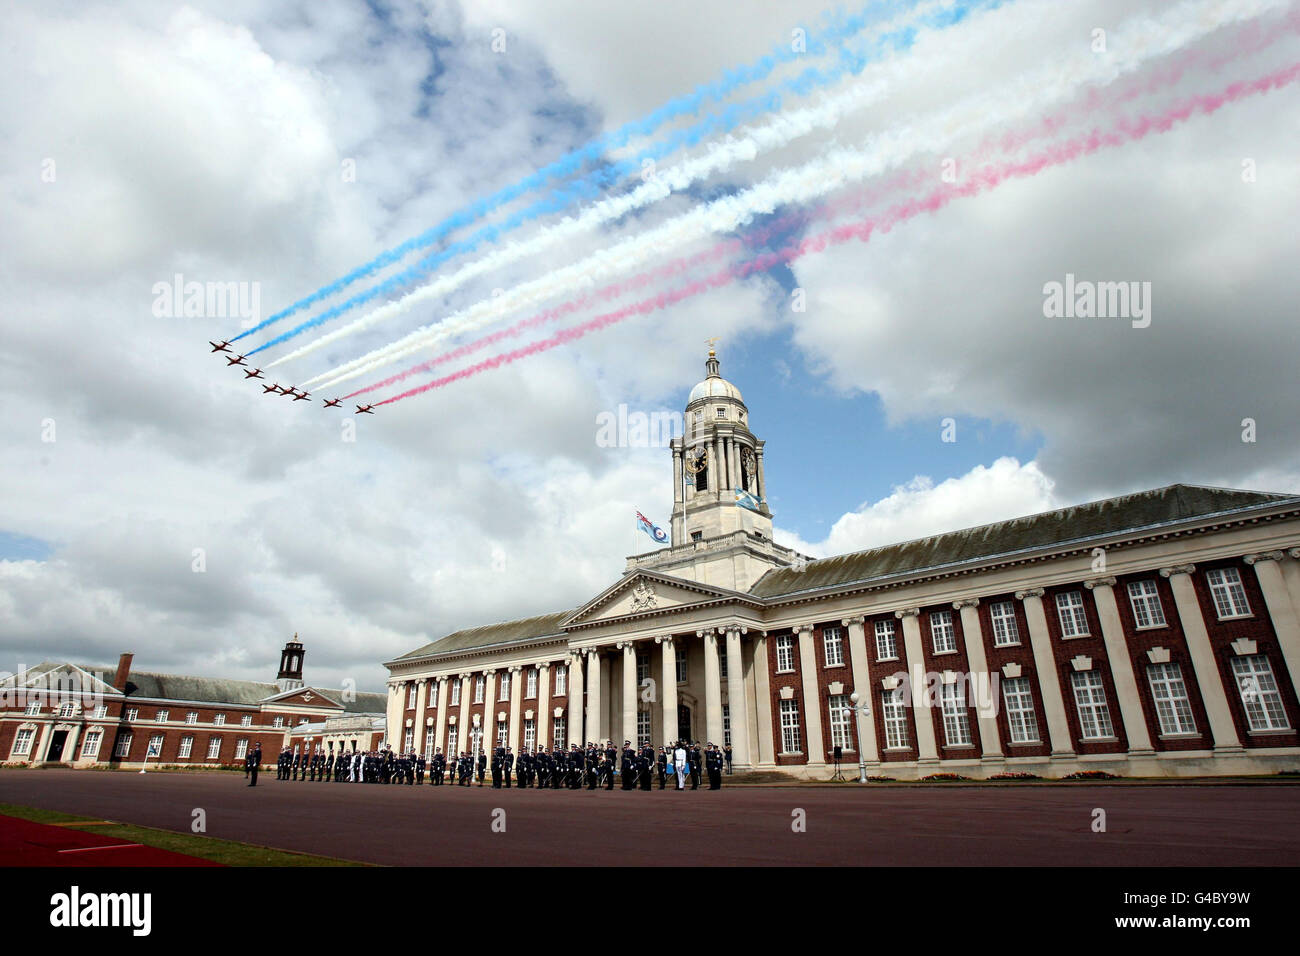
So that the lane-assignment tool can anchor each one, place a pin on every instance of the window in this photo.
(241, 748)
(1090, 699)
(133, 714)
(193, 717)
(532, 683)
(123, 745)
(505, 687)
(1069, 608)
(23, 742)
(839, 722)
(161, 716)
(214, 748)
(155, 746)
(643, 726)
(886, 641)
(1021, 720)
(91, 746)
(785, 653)
(726, 725)
(1145, 599)
(1259, 694)
(452, 740)
(682, 669)
(642, 669)
(790, 740)
(1228, 592)
(33, 708)
(408, 741)
(410, 698)
(942, 634)
(559, 730)
(956, 722)
(433, 695)
(246, 720)
(429, 743)
(1003, 616)
(68, 709)
(219, 719)
(455, 694)
(502, 733)
(894, 710)
(277, 722)
(561, 680)
(101, 711)
(722, 412)
(530, 733)
(698, 535)
(722, 663)
(1173, 708)
(480, 685)
(833, 646)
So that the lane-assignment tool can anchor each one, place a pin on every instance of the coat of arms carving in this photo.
(643, 596)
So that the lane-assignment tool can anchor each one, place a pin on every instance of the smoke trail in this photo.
(1251, 39)
(732, 80)
(982, 181)
(805, 83)
(1139, 40)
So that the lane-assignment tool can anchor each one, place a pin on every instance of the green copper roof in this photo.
(507, 632)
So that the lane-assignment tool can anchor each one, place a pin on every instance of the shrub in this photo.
(1090, 775)
(1015, 775)
(944, 777)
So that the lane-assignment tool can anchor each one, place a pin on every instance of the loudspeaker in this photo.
(839, 752)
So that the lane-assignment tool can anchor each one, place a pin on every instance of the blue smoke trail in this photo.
(685, 105)
(811, 79)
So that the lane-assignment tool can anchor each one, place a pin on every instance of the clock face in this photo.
(696, 460)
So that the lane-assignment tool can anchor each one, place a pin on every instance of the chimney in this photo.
(123, 671)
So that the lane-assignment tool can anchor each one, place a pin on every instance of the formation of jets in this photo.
(276, 388)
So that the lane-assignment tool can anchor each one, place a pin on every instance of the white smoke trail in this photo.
(746, 146)
(1132, 45)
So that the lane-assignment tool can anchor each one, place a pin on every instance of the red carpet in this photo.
(23, 843)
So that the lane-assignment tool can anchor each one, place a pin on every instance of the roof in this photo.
(506, 632)
(1146, 509)
(244, 693)
(714, 387)
(60, 676)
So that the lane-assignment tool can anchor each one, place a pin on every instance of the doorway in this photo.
(684, 723)
(57, 740)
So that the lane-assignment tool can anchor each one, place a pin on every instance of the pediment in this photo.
(303, 697)
(644, 592)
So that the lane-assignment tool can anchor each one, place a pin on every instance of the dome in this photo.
(714, 388)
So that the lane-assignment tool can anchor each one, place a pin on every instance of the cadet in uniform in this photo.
(628, 765)
(696, 759)
(713, 762)
(661, 764)
(420, 764)
(498, 765)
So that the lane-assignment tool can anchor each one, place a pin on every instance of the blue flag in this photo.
(649, 527)
(746, 500)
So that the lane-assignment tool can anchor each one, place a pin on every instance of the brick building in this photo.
(59, 712)
(1151, 634)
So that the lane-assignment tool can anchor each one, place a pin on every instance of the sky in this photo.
(156, 502)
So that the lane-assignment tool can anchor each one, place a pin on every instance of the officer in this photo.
(253, 763)
(627, 767)
(696, 768)
(645, 763)
(521, 768)
(661, 764)
(482, 766)
(498, 765)
(714, 763)
(420, 765)
(726, 752)
(508, 766)
(611, 761)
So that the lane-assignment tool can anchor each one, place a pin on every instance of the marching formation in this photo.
(594, 767)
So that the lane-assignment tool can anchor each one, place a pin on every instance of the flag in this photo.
(649, 527)
(155, 748)
(746, 500)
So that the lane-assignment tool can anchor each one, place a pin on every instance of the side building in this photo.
(60, 712)
(1157, 633)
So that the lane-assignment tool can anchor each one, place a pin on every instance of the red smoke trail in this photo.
(985, 179)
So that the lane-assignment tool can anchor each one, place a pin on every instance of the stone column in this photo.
(463, 728)
(812, 698)
(733, 466)
(763, 703)
(1049, 678)
(986, 711)
(677, 473)
(926, 750)
(712, 686)
(516, 698)
(576, 702)
(1281, 609)
(595, 710)
(736, 699)
(489, 711)
(393, 716)
(440, 736)
(1121, 667)
(421, 699)
(859, 662)
(668, 688)
(762, 482)
(1208, 676)
(719, 467)
(629, 691)
(544, 704)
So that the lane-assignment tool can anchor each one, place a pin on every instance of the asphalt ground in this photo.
(1210, 826)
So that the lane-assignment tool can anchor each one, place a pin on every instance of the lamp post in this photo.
(861, 709)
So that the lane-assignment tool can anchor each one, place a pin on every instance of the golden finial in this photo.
(711, 343)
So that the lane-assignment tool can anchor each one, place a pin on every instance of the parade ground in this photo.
(1217, 824)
